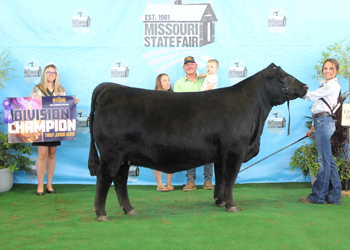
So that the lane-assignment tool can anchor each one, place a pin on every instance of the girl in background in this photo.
(163, 84)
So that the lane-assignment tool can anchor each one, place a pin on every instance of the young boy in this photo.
(211, 79)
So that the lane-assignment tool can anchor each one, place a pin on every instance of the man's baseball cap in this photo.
(189, 59)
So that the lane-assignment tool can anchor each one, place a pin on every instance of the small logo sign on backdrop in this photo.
(178, 24)
(83, 122)
(119, 72)
(237, 71)
(134, 172)
(81, 21)
(32, 173)
(32, 71)
(277, 21)
(276, 122)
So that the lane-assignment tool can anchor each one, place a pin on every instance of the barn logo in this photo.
(119, 71)
(133, 174)
(178, 25)
(31, 174)
(83, 122)
(32, 71)
(276, 122)
(277, 21)
(237, 71)
(81, 21)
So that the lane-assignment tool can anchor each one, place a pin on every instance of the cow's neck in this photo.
(263, 101)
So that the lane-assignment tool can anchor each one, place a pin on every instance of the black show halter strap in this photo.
(285, 91)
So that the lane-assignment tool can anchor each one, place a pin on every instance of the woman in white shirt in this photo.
(327, 187)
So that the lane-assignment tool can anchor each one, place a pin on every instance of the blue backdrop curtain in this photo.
(131, 42)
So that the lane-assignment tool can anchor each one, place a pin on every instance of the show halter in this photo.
(285, 91)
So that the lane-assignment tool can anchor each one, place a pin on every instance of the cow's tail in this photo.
(93, 155)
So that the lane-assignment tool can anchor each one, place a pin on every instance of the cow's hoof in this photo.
(221, 204)
(103, 218)
(132, 212)
(233, 209)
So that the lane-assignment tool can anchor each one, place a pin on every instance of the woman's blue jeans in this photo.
(327, 187)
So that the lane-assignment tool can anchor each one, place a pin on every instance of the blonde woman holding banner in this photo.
(50, 85)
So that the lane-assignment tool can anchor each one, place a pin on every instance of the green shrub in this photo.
(14, 155)
(305, 158)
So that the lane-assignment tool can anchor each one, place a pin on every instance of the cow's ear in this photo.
(271, 71)
(272, 65)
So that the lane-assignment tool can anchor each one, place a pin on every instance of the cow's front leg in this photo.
(218, 190)
(228, 198)
(230, 171)
(121, 188)
(103, 183)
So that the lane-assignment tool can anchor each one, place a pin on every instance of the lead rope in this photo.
(273, 153)
(288, 115)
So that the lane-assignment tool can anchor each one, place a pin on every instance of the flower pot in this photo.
(6, 180)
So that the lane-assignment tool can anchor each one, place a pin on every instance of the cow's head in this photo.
(284, 86)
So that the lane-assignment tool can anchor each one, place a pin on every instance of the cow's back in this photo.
(155, 128)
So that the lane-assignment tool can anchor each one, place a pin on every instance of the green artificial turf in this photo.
(271, 217)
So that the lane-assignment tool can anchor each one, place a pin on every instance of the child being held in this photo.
(211, 79)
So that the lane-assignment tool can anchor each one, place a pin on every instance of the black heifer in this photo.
(172, 132)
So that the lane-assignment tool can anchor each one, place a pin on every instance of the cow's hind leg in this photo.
(121, 188)
(218, 190)
(103, 183)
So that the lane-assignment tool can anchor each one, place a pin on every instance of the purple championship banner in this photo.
(41, 119)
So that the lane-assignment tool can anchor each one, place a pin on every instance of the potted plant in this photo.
(13, 156)
(305, 158)
(344, 174)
